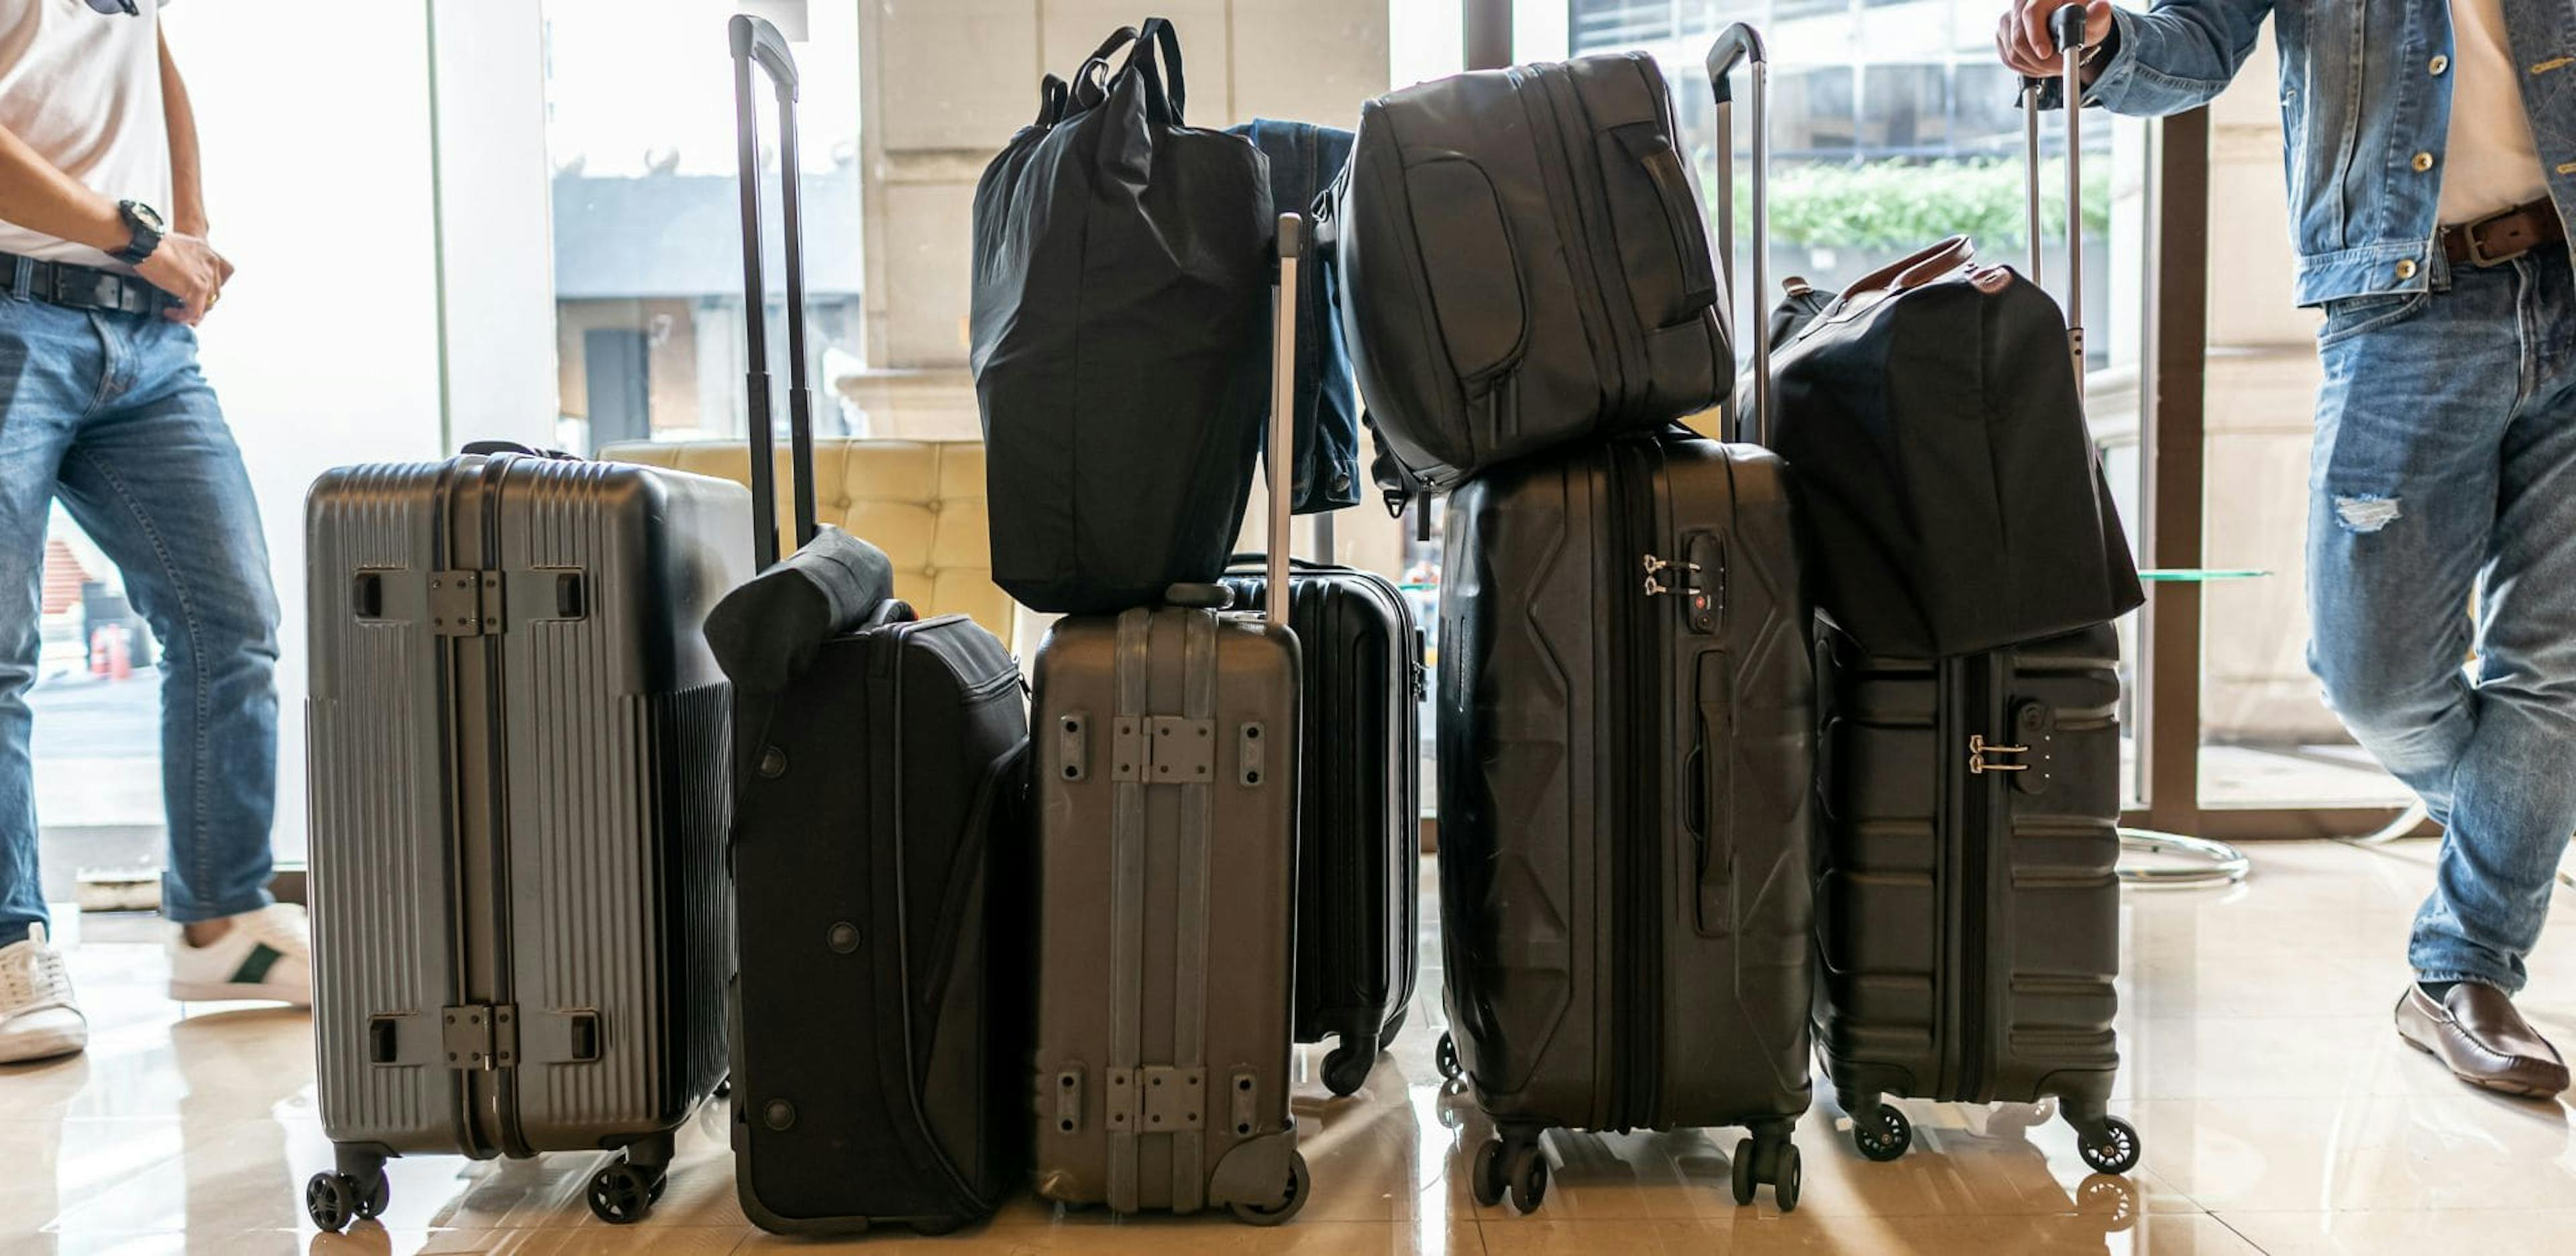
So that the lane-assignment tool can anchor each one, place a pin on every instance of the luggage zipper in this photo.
(1979, 694)
(1640, 850)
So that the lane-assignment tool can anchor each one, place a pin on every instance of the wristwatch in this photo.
(146, 228)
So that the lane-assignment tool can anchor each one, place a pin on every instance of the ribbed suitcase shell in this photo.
(1167, 904)
(1969, 921)
(531, 820)
(1359, 815)
(1625, 790)
(881, 874)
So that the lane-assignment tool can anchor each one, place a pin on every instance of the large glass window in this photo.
(647, 221)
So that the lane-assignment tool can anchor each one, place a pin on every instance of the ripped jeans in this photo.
(2442, 527)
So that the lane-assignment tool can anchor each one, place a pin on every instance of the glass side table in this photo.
(2197, 862)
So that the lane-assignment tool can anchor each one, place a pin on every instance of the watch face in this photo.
(145, 214)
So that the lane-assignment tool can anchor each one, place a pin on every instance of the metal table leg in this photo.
(2217, 862)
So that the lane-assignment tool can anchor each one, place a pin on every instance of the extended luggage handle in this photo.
(1741, 44)
(1283, 424)
(2038, 93)
(756, 41)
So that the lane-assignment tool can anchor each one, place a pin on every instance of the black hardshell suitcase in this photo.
(518, 802)
(1626, 747)
(880, 852)
(1968, 902)
(1359, 813)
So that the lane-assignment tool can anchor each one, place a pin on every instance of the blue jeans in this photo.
(2444, 478)
(109, 413)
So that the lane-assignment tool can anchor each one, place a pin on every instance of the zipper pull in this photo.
(1655, 569)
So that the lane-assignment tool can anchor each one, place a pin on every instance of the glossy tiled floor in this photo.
(2278, 1111)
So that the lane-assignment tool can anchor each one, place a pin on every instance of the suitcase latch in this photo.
(1979, 752)
(1162, 749)
(464, 603)
(480, 1035)
(1656, 585)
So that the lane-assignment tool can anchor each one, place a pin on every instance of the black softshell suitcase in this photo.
(1968, 902)
(1626, 766)
(518, 803)
(1359, 811)
(880, 857)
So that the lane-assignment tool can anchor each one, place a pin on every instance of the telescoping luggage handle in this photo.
(1741, 44)
(755, 40)
(2066, 27)
(1283, 397)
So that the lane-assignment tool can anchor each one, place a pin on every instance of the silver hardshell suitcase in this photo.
(518, 804)
(1166, 742)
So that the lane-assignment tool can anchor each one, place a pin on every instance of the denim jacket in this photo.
(2365, 102)
(1303, 159)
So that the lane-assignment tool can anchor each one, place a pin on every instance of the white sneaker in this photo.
(267, 954)
(38, 1019)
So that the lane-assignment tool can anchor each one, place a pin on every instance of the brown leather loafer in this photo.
(2485, 1042)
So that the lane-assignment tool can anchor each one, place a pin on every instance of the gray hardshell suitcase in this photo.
(518, 759)
(1166, 746)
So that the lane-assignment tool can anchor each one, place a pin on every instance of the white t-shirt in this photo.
(83, 89)
(2493, 164)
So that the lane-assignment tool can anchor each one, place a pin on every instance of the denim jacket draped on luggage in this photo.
(2365, 110)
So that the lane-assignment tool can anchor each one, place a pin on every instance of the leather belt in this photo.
(79, 287)
(2500, 238)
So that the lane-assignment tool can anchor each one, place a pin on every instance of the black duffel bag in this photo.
(1523, 266)
(1120, 336)
(1949, 493)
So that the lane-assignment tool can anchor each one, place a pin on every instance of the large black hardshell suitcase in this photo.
(518, 802)
(1968, 912)
(1626, 747)
(880, 850)
(1359, 811)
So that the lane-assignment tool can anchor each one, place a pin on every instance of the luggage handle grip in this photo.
(1740, 44)
(755, 40)
(1647, 145)
(2066, 91)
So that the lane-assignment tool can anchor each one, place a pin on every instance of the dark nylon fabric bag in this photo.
(1304, 159)
(1120, 331)
(1950, 494)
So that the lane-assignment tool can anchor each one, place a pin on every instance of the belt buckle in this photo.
(2474, 235)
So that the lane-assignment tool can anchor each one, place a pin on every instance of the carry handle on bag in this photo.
(1741, 44)
(2066, 28)
(755, 40)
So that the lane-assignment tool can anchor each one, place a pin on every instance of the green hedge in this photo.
(1905, 205)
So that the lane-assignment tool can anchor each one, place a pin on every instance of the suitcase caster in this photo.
(1883, 1135)
(1445, 1057)
(2111, 1147)
(333, 1200)
(622, 1193)
(1298, 1188)
(1347, 1065)
(1768, 1157)
(1511, 1168)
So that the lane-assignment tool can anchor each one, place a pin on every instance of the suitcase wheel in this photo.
(1445, 1056)
(1347, 1065)
(1770, 1158)
(622, 1193)
(1511, 1168)
(2113, 1148)
(333, 1199)
(1886, 1136)
(1278, 1214)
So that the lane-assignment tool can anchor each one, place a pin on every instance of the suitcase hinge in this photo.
(1162, 749)
(1979, 750)
(1655, 569)
(480, 1035)
(464, 603)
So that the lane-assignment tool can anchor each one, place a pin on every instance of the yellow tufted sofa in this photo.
(922, 502)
